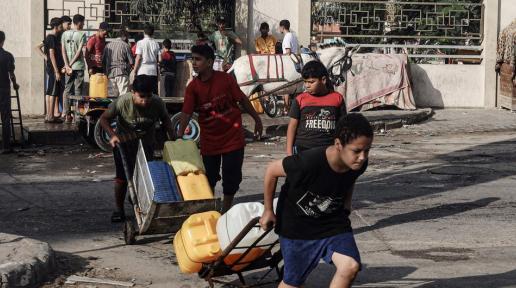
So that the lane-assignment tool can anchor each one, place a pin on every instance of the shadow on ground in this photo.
(66, 265)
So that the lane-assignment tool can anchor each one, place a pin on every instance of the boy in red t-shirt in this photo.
(95, 49)
(168, 67)
(215, 96)
(314, 113)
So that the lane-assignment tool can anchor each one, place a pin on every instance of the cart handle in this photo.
(130, 184)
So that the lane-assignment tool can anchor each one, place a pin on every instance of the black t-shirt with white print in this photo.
(317, 117)
(311, 206)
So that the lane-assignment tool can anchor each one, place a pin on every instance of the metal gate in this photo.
(450, 20)
(175, 19)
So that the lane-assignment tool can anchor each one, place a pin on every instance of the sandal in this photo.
(68, 119)
(117, 217)
(56, 120)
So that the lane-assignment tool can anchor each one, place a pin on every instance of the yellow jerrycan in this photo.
(98, 86)
(197, 242)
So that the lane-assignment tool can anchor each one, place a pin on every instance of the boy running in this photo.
(215, 96)
(315, 112)
(313, 210)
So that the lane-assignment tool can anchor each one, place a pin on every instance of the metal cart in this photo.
(152, 217)
(270, 259)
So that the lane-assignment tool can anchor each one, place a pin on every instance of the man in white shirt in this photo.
(147, 56)
(289, 46)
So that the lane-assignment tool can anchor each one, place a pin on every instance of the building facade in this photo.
(23, 21)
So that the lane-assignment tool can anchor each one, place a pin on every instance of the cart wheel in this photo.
(129, 232)
(193, 131)
(102, 137)
(270, 105)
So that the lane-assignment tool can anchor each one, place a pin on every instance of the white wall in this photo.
(21, 20)
(447, 85)
(272, 12)
(507, 12)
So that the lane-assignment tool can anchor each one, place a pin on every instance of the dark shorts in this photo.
(302, 256)
(130, 150)
(298, 149)
(168, 84)
(231, 170)
(54, 87)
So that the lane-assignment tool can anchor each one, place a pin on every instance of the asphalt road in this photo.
(436, 208)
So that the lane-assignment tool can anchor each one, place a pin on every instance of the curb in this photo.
(28, 262)
(381, 120)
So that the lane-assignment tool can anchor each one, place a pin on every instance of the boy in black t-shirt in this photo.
(54, 66)
(313, 210)
(314, 113)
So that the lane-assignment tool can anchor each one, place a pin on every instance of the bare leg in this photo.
(347, 270)
(287, 106)
(50, 107)
(283, 285)
(56, 108)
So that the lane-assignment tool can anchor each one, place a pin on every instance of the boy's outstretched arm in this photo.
(273, 172)
(291, 135)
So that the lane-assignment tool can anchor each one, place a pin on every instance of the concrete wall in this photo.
(21, 21)
(272, 12)
(447, 85)
(434, 85)
(507, 12)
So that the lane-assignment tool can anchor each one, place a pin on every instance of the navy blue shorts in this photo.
(302, 256)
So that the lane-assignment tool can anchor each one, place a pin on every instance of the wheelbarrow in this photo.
(151, 215)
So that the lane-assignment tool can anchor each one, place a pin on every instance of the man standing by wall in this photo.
(147, 56)
(72, 42)
(289, 46)
(265, 44)
(6, 77)
(95, 49)
(224, 45)
(67, 22)
(118, 60)
(54, 60)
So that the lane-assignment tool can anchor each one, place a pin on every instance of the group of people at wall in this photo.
(68, 52)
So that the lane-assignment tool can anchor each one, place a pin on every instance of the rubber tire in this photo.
(129, 232)
(193, 121)
(82, 127)
(270, 106)
(101, 138)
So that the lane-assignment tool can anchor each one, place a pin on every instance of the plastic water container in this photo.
(233, 222)
(98, 86)
(183, 156)
(197, 242)
(164, 183)
(194, 187)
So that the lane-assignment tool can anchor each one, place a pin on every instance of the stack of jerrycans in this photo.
(186, 161)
